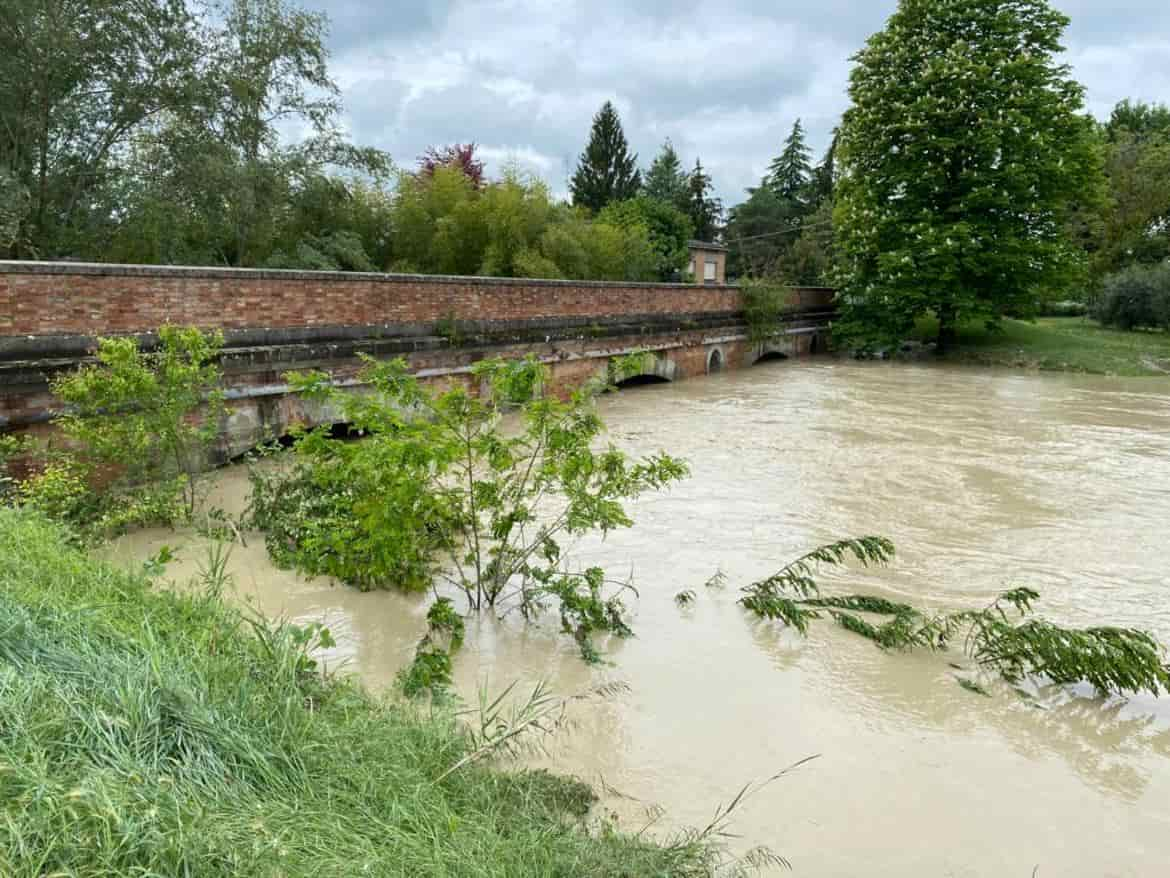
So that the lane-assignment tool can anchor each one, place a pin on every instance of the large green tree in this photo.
(607, 170)
(790, 173)
(961, 152)
(214, 180)
(668, 229)
(666, 180)
(78, 78)
(1134, 227)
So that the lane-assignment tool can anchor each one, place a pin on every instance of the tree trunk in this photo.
(947, 332)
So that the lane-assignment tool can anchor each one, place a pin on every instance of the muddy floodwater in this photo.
(983, 480)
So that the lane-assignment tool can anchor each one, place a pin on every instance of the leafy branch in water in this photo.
(1004, 637)
(431, 669)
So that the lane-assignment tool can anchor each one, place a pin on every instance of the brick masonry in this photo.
(275, 321)
(86, 299)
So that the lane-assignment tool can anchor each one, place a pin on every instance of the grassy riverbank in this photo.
(149, 732)
(1067, 344)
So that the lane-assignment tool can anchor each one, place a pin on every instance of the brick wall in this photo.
(57, 299)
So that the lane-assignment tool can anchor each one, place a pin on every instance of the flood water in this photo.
(984, 480)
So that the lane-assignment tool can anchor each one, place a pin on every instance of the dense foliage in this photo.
(444, 224)
(140, 426)
(1137, 297)
(959, 158)
(668, 229)
(783, 231)
(149, 731)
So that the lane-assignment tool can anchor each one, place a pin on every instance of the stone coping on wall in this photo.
(119, 269)
(112, 269)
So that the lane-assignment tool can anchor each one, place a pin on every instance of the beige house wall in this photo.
(699, 257)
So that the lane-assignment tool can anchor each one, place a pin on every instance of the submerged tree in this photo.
(439, 492)
(1003, 637)
(607, 170)
(964, 146)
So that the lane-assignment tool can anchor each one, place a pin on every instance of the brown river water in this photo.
(983, 480)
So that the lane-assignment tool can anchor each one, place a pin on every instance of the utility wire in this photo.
(799, 228)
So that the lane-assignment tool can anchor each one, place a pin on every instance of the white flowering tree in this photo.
(963, 149)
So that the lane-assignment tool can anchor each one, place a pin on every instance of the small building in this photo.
(708, 262)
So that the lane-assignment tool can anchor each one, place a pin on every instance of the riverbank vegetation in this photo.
(138, 428)
(168, 732)
(1063, 344)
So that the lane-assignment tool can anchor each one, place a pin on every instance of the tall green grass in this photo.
(145, 732)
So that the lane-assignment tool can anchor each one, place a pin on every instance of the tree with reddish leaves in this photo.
(455, 155)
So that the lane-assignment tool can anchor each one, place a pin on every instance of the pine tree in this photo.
(666, 180)
(704, 209)
(961, 152)
(790, 172)
(607, 170)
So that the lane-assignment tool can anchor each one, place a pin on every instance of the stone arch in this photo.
(716, 362)
(780, 348)
(654, 370)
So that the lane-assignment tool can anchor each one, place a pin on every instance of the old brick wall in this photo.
(62, 299)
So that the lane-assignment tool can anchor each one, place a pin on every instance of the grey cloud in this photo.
(722, 80)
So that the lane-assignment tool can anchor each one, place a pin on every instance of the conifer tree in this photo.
(704, 209)
(607, 170)
(791, 171)
(666, 180)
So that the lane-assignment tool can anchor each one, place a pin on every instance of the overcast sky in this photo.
(723, 80)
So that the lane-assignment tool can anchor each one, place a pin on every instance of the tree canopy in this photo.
(962, 149)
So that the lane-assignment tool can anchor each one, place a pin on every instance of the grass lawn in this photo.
(147, 732)
(1066, 344)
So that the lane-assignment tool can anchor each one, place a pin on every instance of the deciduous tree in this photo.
(963, 147)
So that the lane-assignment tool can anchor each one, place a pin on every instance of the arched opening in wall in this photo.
(641, 381)
(771, 357)
(714, 361)
(344, 431)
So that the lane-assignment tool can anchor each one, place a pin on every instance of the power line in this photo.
(799, 228)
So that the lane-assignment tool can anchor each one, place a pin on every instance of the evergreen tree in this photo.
(961, 153)
(790, 172)
(824, 176)
(704, 209)
(607, 170)
(666, 180)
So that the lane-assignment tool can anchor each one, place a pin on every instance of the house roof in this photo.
(705, 245)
